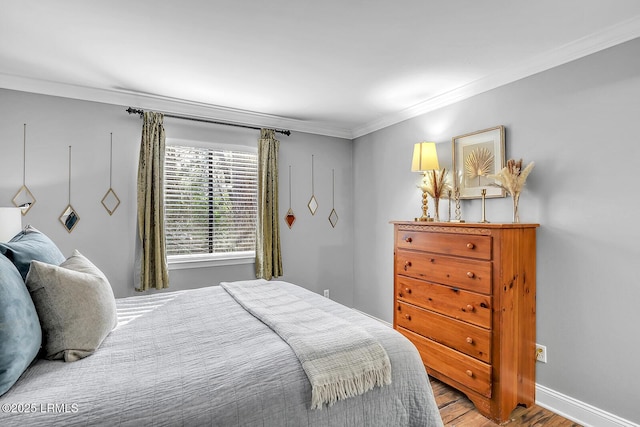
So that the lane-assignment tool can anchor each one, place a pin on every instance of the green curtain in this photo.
(268, 256)
(152, 259)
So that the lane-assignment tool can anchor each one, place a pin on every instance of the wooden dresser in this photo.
(465, 295)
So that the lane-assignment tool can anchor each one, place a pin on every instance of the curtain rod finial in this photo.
(132, 110)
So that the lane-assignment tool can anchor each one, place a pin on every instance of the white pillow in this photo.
(75, 304)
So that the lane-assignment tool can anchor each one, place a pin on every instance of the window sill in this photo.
(179, 262)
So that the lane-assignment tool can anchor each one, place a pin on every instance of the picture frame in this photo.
(476, 155)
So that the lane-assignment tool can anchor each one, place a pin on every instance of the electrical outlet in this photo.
(541, 353)
(326, 293)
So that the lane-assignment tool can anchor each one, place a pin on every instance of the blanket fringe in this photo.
(343, 388)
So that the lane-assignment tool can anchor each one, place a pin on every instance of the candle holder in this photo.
(484, 196)
(456, 198)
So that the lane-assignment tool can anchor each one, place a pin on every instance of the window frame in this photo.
(179, 262)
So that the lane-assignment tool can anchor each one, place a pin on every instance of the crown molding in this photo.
(167, 105)
(595, 42)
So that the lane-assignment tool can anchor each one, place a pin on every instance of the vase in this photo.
(516, 215)
(436, 209)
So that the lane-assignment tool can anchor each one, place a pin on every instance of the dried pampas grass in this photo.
(436, 183)
(513, 177)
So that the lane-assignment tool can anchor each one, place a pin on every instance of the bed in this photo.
(197, 357)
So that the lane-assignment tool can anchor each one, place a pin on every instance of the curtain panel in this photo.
(151, 260)
(268, 256)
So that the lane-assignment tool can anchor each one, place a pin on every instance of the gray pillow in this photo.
(75, 304)
(20, 334)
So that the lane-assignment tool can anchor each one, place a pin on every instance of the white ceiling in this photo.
(334, 67)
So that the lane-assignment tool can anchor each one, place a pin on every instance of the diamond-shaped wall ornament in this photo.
(111, 201)
(24, 199)
(313, 205)
(290, 218)
(333, 218)
(69, 218)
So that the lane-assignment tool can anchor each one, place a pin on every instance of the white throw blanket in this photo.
(341, 360)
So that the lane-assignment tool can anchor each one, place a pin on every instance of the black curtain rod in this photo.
(132, 110)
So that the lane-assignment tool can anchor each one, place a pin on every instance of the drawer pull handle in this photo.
(408, 317)
(470, 245)
(470, 308)
(469, 340)
(408, 239)
(407, 264)
(408, 290)
(470, 274)
(470, 373)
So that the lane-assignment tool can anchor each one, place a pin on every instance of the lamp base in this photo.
(424, 219)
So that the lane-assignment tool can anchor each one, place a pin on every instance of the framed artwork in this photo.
(476, 155)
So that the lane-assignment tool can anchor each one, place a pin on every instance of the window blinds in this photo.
(210, 200)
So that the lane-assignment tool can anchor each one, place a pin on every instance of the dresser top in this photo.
(467, 224)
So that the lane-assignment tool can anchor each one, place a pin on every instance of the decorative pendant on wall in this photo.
(24, 198)
(313, 203)
(69, 217)
(333, 216)
(290, 218)
(111, 201)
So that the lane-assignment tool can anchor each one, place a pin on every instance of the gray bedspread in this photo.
(197, 358)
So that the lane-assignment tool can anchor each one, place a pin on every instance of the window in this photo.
(210, 203)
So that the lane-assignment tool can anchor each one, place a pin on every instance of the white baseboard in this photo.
(566, 406)
(373, 317)
(575, 410)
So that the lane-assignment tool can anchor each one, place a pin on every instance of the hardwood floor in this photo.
(458, 411)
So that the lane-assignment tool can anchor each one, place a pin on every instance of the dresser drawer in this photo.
(462, 305)
(462, 273)
(470, 246)
(469, 339)
(459, 367)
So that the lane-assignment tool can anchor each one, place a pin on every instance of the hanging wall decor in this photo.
(69, 217)
(290, 218)
(313, 203)
(111, 201)
(24, 198)
(333, 216)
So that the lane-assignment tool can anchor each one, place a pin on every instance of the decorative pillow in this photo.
(28, 245)
(20, 334)
(75, 304)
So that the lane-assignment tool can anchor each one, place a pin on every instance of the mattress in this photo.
(196, 358)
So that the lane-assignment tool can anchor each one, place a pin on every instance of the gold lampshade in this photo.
(425, 157)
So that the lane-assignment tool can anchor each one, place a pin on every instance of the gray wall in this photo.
(578, 122)
(315, 255)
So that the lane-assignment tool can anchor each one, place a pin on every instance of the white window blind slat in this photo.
(210, 200)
